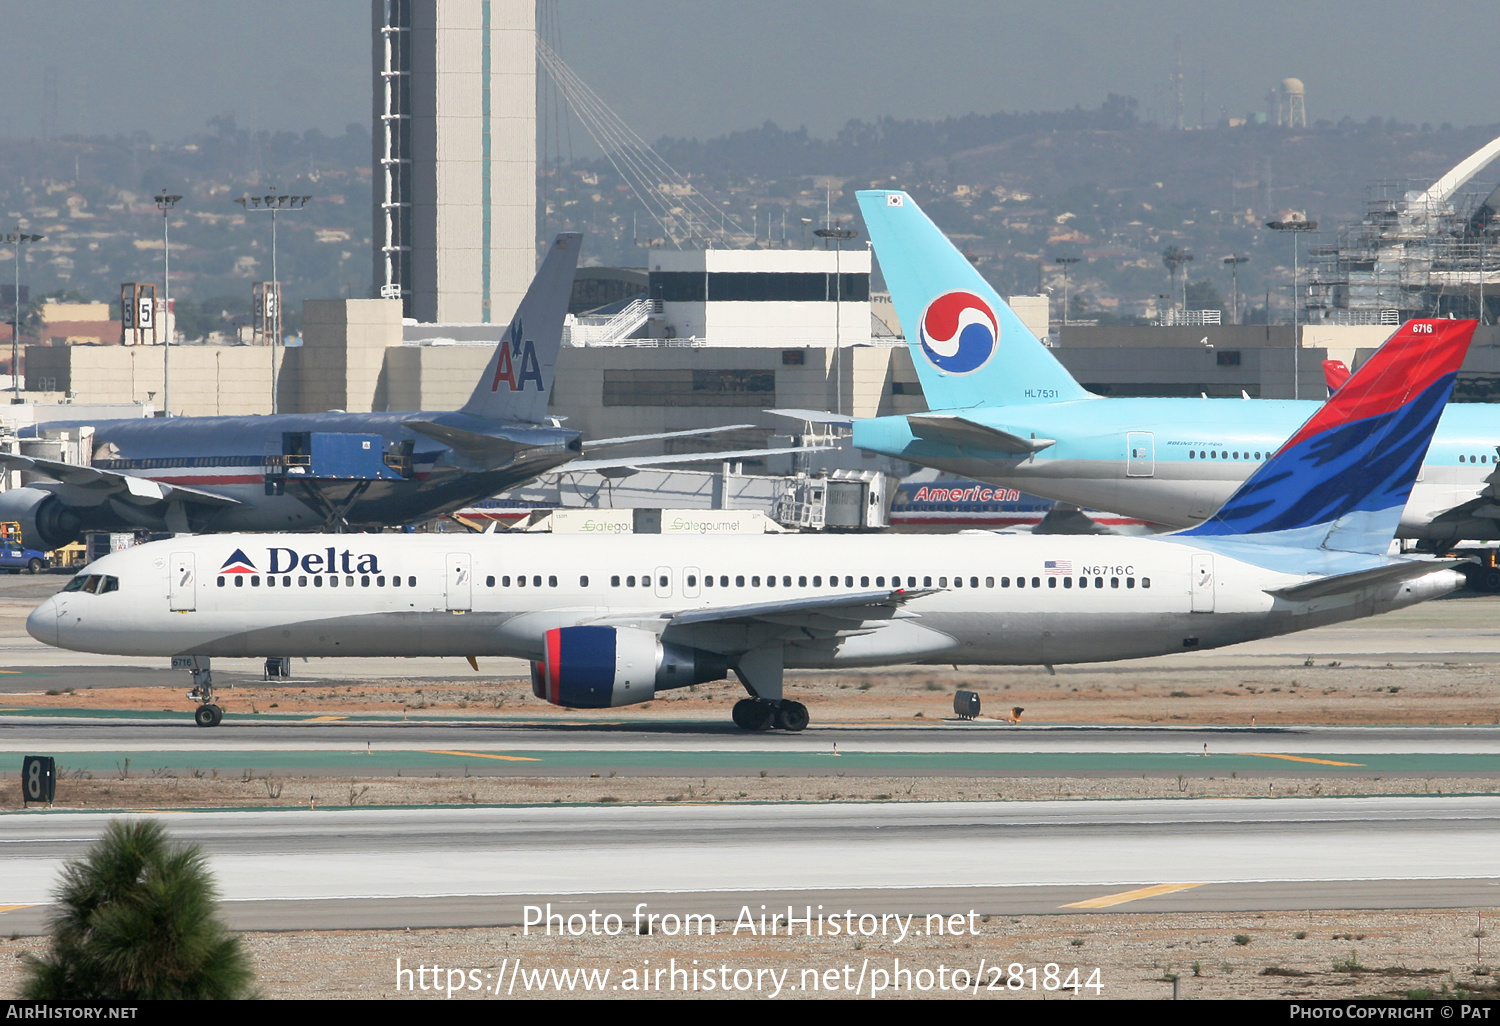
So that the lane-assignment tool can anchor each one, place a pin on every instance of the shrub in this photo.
(137, 919)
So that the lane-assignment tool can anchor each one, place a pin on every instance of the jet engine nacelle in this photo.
(599, 667)
(45, 522)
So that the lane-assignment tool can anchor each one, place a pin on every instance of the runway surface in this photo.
(447, 866)
(516, 747)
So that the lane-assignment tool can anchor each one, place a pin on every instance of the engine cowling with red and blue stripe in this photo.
(594, 667)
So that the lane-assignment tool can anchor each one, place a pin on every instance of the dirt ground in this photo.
(1280, 955)
(1346, 691)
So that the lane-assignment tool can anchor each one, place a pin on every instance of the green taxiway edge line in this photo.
(541, 763)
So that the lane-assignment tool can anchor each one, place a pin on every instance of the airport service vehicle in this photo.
(608, 621)
(1003, 410)
(292, 472)
(15, 556)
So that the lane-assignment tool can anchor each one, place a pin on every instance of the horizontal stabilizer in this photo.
(690, 457)
(1342, 584)
(479, 449)
(814, 416)
(950, 429)
(599, 443)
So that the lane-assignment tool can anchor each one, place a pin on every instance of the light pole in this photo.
(165, 203)
(1177, 260)
(18, 239)
(838, 234)
(1234, 262)
(1293, 226)
(1067, 263)
(274, 203)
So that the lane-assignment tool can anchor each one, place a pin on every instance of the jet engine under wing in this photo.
(90, 486)
(968, 434)
(1340, 584)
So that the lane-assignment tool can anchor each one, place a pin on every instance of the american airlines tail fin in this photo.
(518, 379)
(970, 349)
(1342, 480)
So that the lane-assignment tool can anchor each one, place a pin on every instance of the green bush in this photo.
(137, 919)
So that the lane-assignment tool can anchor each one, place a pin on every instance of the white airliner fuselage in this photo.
(823, 601)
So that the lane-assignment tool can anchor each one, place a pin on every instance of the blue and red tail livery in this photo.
(1349, 470)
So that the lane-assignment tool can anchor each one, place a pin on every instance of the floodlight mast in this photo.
(165, 203)
(273, 202)
(17, 238)
(1295, 226)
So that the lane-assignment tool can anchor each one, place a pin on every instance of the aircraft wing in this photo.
(93, 485)
(1477, 518)
(815, 417)
(822, 617)
(688, 457)
(951, 429)
(1340, 584)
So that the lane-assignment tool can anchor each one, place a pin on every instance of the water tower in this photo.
(1291, 104)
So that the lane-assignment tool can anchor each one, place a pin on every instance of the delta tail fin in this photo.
(517, 381)
(1341, 482)
(970, 349)
(1335, 373)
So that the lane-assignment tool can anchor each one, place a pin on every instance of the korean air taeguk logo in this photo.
(959, 332)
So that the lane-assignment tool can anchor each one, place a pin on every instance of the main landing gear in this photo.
(758, 714)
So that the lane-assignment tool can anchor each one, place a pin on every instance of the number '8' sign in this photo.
(38, 778)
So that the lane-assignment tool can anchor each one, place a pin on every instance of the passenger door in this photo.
(1203, 583)
(460, 583)
(184, 584)
(1140, 454)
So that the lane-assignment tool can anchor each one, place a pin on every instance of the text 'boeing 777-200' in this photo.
(609, 621)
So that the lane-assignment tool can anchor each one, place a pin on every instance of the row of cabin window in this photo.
(365, 580)
(1218, 455)
(644, 581)
(1478, 459)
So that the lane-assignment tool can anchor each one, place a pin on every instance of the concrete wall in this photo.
(342, 358)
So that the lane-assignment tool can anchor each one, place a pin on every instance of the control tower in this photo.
(454, 156)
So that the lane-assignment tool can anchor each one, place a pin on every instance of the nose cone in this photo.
(42, 623)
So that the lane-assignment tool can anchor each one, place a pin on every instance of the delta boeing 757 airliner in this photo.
(612, 621)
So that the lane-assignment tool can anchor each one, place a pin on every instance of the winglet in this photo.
(969, 347)
(517, 381)
(1343, 479)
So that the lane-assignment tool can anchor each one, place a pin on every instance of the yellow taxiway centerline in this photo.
(1301, 758)
(483, 755)
(1136, 895)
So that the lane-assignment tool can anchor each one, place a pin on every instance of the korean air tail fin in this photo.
(1341, 482)
(970, 349)
(518, 379)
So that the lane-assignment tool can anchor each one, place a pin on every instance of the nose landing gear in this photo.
(207, 714)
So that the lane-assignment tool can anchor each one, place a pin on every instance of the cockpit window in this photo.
(93, 584)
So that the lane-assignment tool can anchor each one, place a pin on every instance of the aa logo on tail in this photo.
(959, 333)
(517, 363)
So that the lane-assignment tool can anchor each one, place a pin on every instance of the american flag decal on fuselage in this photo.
(1058, 567)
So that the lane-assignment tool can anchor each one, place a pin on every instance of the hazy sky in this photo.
(704, 67)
